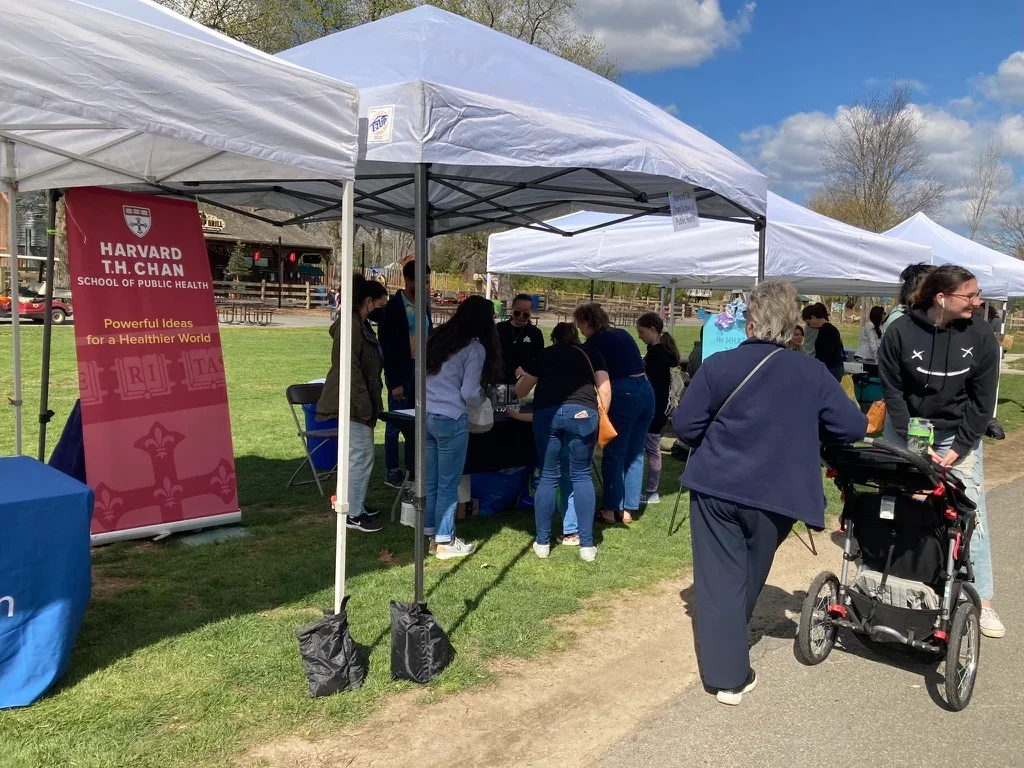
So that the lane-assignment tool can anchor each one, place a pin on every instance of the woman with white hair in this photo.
(753, 417)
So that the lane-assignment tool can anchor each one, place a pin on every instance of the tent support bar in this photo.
(422, 240)
(510, 211)
(190, 166)
(762, 231)
(17, 139)
(56, 166)
(345, 320)
(10, 188)
(45, 414)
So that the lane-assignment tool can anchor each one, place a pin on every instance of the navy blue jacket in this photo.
(764, 451)
(393, 332)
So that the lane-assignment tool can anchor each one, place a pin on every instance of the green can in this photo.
(920, 436)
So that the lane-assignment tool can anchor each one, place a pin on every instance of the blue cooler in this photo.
(324, 458)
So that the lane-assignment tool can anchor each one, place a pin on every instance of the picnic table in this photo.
(244, 313)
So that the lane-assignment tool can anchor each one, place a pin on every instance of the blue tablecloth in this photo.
(45, 575)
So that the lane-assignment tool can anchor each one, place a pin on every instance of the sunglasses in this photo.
(520, 313)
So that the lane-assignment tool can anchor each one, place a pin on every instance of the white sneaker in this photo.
(588, 554)
(991, 626)
(650, 497)
(571, 540)
(541, 550)
(735, 696)
(454, 548)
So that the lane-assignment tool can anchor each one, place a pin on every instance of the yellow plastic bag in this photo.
(847, 383)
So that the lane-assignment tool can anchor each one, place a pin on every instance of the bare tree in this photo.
(1009, 228)
(988, 178)
(876, 169)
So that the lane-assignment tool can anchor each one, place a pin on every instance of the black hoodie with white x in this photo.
(945, 374)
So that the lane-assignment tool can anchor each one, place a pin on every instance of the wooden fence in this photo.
(293, 295)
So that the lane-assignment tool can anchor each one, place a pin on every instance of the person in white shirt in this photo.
(870, 337)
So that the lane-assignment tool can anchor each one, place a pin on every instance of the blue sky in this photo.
(766, 79)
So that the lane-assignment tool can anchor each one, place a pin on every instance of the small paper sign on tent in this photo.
(683, 207)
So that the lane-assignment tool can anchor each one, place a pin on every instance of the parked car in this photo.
(32, 304)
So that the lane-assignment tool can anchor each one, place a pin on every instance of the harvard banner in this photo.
(155, 418)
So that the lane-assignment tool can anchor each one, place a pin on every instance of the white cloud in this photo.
(881, 83)
(1008, 82)
(649, 35)
(1011, 132)
(789, 153)
(672, 109)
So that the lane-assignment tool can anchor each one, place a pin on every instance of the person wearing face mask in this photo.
(368, 296)
(938, 363)
(521, 341)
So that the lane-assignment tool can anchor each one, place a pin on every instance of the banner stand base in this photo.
(165, 529)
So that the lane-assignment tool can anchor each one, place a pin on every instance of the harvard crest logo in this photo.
(138, 219)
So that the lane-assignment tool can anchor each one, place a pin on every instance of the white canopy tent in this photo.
(125, 93)
(951, 248)
(466, 129)
(816, 253)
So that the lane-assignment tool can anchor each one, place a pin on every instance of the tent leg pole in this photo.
(761, 227)
(591, 290)
(488, 289)
(10, 188)
(344, 331)
(672, 310)
(1002, 333)
(44, 385)
(421, 232)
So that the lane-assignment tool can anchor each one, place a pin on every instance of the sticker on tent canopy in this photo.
(683, 207)
(381, 121)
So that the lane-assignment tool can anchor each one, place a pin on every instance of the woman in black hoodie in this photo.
(938, 363)
(662, 356)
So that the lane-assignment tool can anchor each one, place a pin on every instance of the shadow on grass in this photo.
(148, 592)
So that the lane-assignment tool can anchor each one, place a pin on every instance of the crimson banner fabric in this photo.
(155, 420)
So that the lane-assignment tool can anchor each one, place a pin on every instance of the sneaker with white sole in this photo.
(650, 497)
(454, 548)
(588, 554)
(991, 626)
(733, 697)
(363, 523)
(541, 550)
(571, 540)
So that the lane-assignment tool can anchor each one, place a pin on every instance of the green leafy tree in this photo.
(238, 264)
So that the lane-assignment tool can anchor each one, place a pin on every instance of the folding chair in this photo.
(299, 395)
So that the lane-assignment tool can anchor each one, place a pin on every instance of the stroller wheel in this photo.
(962, 655)
(817, 634)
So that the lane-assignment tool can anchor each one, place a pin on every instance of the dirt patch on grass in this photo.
(1004, 460)
(107, 586)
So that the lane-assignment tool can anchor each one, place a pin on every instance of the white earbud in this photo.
(943, 301)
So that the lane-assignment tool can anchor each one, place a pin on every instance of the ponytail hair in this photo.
(363, 289)
(944, 279)
(653, 320)
(876, 316)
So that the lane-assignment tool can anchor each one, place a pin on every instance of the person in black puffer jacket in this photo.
(662, 356)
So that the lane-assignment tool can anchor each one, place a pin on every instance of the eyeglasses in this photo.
(520, 313)
(968, 296)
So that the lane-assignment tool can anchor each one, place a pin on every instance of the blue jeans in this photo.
(623, 464)
(970, 469)
(360, 465)
(566, 503)
(392, 432)
(553, 428)
(447, 441)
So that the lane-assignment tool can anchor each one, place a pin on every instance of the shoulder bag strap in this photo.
(748, 377)
(593, 373)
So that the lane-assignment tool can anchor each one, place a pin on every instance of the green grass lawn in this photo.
(187, 656)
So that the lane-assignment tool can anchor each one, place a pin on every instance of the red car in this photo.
(31, 306)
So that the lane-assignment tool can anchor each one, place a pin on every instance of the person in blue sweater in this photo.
(631, 411)
(463, 358)
(755, 470)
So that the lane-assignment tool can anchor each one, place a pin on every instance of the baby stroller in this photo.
(908, 526)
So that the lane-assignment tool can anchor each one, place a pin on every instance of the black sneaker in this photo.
(369, 512)
(364, 523)
(734, 696)
(394, 478)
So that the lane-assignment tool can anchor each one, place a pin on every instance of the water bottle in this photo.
(920, 436)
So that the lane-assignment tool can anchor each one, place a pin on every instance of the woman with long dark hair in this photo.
(938, 363)
(366, 400)
(569, 380)
(631, 411)
(463, 359)
(828, 343)
(662, 356)
(871, 336)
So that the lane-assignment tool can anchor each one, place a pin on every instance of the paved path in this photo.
(856, 709)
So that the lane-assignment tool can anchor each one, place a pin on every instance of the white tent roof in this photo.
(125, 92)
(951, 248)
(818, 254)
(508, 130)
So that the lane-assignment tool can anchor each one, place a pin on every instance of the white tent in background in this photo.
(816, 253)
(127, 94)
(950, 248)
